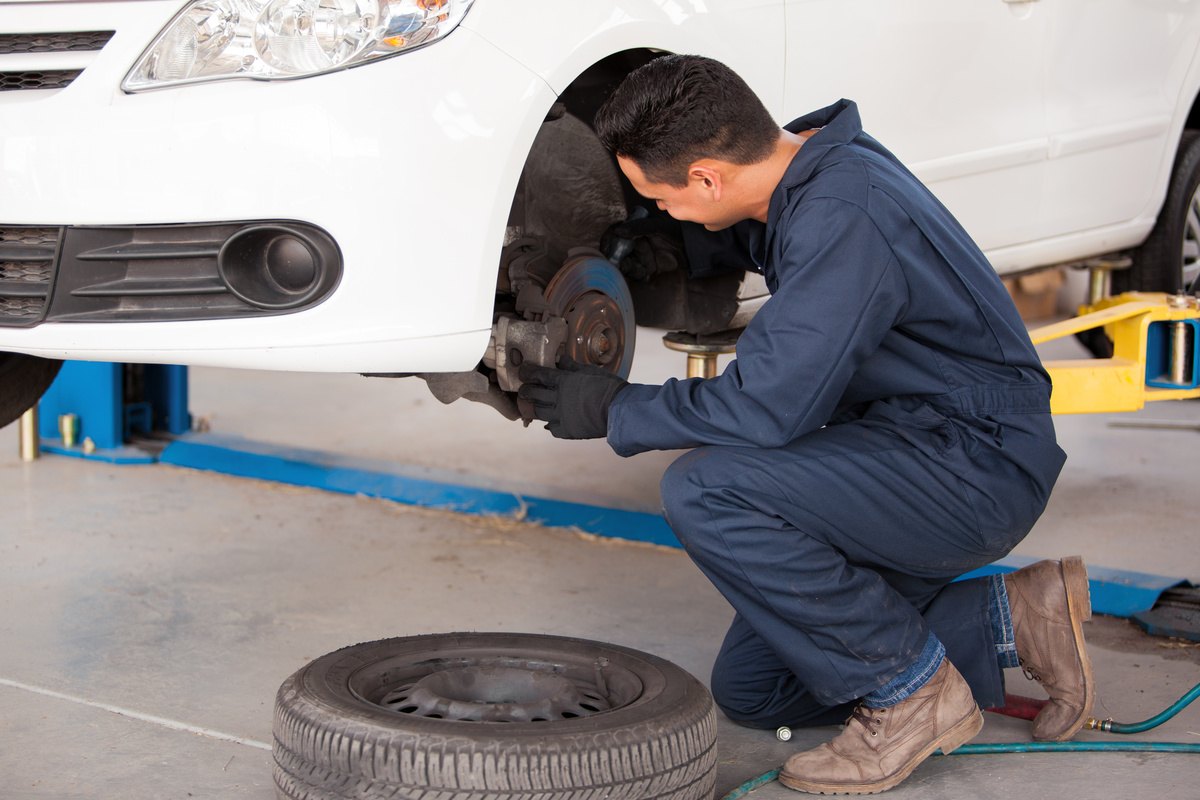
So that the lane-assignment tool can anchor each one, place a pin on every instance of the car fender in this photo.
(586, 32)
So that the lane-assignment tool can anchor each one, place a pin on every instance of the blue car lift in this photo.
(112, 405)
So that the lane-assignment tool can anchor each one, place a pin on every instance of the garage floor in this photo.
(148, 613)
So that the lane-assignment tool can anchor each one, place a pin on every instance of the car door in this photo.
(1114, 77)
(953, 88)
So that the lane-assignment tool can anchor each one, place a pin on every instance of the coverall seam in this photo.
(750, 583)
(893, 263)
(900, 446)
(966, 285)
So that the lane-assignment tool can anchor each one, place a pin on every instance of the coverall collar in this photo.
(839, 124)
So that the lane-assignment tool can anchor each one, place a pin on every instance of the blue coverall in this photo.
(884, 428)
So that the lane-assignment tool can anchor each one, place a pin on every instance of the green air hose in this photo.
(1107, 726)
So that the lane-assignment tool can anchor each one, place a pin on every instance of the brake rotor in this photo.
(592, 296)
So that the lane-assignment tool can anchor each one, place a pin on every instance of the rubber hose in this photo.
(1068, 747)
(1109, 726)
(752, 784)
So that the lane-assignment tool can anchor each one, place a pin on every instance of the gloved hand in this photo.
(644, 245)
(572, 400)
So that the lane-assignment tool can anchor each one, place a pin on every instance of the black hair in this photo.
(677, 109)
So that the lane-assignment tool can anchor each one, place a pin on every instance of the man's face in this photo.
(694, 202)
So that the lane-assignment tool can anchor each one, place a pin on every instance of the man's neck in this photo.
(764, 177)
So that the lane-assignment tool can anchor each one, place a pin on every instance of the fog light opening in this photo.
(272, 266)
(291, 264)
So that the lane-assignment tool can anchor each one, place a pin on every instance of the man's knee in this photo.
(682, 490)
(749, 703)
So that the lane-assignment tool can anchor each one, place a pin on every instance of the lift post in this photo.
(1156, 354)
(702, 350)
(92, 410)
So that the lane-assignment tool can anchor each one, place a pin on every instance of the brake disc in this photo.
(592, 296)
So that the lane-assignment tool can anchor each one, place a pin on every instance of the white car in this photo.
(412, 186)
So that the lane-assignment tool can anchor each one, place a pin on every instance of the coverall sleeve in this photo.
(717, 252)
(840, 289)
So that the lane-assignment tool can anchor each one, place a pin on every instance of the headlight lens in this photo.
(273, 39)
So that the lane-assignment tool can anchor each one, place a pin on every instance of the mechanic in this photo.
(884, 428)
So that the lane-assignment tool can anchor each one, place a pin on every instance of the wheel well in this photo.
(571, 191)
(567, 161)
(588, 92)
(1193, 117)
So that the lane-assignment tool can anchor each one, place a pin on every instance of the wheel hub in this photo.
(592, 296)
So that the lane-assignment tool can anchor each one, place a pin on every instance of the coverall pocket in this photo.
(916, 422)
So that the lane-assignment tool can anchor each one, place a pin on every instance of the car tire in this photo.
(493, 716)
(23, 380)
(1169, 259)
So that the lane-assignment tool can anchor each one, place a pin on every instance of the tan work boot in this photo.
(880, 747)
(1049, 602)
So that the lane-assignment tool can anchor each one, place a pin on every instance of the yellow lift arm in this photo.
(1156, 354)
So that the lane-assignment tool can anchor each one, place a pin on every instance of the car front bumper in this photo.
(409, 164)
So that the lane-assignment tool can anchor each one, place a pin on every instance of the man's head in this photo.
(675, 122)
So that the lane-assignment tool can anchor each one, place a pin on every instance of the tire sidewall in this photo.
(23, 380)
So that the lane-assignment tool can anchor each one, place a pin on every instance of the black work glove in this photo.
(573, 400)
(644, 245)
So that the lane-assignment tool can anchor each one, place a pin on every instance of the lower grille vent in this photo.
(27, 257)
(37, 79)
(163, 273)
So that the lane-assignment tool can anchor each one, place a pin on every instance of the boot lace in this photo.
(869, 718)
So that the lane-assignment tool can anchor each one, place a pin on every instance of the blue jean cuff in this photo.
(1002, 626)
(910, 680)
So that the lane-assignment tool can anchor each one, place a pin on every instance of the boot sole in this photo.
(1079, 609)
(962, 732)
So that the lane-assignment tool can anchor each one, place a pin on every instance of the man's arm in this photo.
(840, 290)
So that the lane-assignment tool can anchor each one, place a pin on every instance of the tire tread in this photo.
(323, 753)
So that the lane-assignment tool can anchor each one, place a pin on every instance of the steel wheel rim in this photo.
(492, 686)
(1190, 252)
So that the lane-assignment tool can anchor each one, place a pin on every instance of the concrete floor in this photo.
(147, 614)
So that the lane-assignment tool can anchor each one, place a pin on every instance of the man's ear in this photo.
(707, 177)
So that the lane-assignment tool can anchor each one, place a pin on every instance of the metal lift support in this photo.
(1156, 354)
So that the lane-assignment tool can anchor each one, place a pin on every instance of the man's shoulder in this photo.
(843, 178)
(860, 174)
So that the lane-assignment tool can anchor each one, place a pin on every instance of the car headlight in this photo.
(277, 39)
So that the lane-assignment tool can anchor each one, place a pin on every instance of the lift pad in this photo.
(1156, 354)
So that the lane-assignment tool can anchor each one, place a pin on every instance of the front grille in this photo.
(37, 79)
(19, 309)
(25, 273)
(27, 258)
(72, 42)
(27, 46)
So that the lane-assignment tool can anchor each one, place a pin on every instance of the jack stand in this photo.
(93, 410)
(28, 445)
(702, 350)
(1100, 272)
